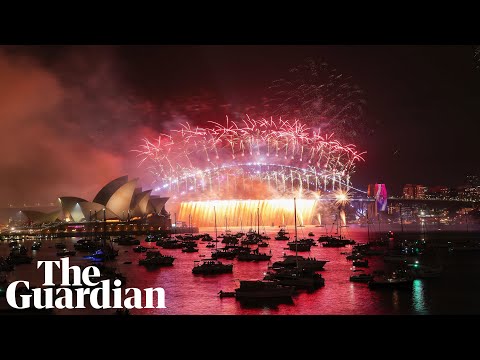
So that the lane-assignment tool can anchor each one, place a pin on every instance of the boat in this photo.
(223, 294)
(153, 258)
(229, 239)
(170, 244)
(360, 263)
(189, 243)
(363, 278)
(223, 253)
(103, 254)
(303, 263)
(150, 238)
(261, 289)
(210, 267)
(282, 235)
(36, 245)
(189, 249)
(355, 256)
(262, 244)
(333, 244)
(66, 252)
(311, 234)
(399, 258)
(86, 245)
(139, 249)
(206, 237)
(20, 249)
(299, 246)
(253, 255)
(332, 241)
(299, 278)
(123, 238)
(250, 241)
(210, 246)
(420, 271)
(128, 241)
(395, 281)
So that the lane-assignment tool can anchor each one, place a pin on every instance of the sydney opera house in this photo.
(121, 200)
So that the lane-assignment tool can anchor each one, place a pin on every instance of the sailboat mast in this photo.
(338, 218)
(175, 220)
(368, 227)
(104, 227)
(216, 234)
(258, 220)
(295, 216)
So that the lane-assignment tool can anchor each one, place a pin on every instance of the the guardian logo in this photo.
(80, 287)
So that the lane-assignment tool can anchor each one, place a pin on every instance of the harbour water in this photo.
(457, 291)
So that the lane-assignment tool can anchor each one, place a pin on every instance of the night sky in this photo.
(70, 115)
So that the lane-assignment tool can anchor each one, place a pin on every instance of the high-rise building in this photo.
(409, 191)
(414, 191)
(472, 180)
(420, 191)
(472, 187)
(438, 192)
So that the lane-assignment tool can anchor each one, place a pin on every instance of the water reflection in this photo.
(395, 300)
(418, 300)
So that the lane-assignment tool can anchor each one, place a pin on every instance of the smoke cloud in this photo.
(66, 129)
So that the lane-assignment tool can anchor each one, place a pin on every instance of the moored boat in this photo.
(223, 254)
(299, 246)
(253, 255)
(363, 278)
(391, 282)
(261, 289)
(189, 249)
(303, 263)
(299, 278)
(154, 258)
(139, 249)
(360, 263)
(66, 252)
(211, 267)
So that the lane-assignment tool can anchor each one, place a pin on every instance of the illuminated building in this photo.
(414, 191)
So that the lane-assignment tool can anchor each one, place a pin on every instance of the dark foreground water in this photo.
(457, 291)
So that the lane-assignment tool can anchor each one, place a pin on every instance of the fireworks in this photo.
(243, 213)
(342, 198)
(248, 159)
(321, 96)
